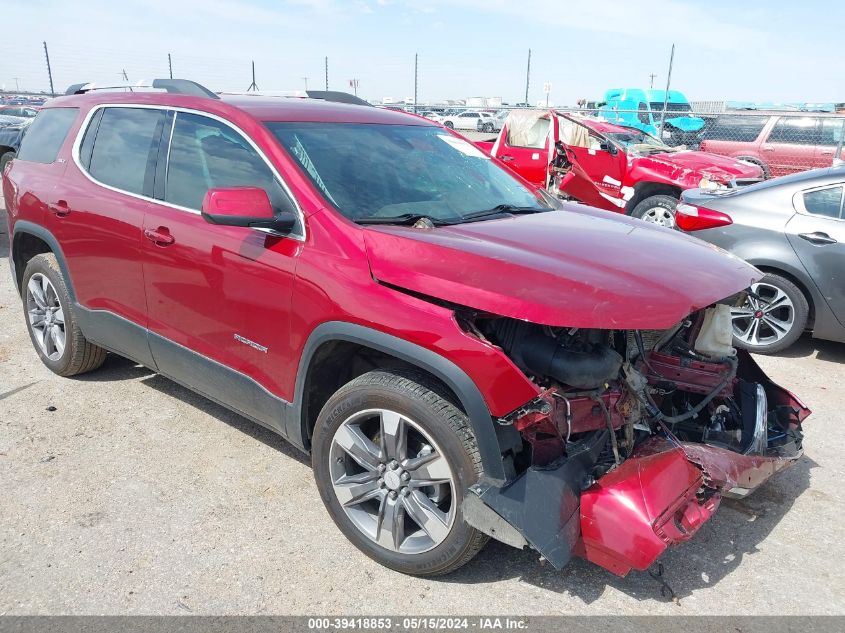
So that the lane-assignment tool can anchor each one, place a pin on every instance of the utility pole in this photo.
(17, 85)
(305, 79)
(125, 76)
(666, 94)
(527, 76)
(253, 86)
(49, 70)
(327, 74)
(651, 81)
(170, 65)
(353, 83)
(416, 76)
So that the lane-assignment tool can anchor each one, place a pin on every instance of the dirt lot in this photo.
(136, 496)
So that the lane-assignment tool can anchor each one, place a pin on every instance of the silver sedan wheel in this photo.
(661, 216)
(764, 320)
(46, 317)
(393, 481)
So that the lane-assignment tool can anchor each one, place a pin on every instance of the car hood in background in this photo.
(577, 267)
(705, 163)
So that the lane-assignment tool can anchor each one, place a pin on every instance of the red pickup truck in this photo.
(609, 166)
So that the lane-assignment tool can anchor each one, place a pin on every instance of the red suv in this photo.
(461, 357)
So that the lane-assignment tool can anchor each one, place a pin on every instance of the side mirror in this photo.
(244, 206)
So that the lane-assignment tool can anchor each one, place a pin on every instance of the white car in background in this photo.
(468, 120)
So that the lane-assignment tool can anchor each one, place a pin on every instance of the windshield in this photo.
(372, 172)
(639, 142)
(657, 106)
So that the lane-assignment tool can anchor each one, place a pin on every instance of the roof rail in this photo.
(173, 86)
(336, 96)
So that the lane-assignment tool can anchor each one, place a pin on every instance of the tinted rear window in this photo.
(795, 131)
(123, 156)
(46, 134)
(735, 128)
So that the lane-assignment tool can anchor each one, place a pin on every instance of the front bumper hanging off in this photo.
(659, 496)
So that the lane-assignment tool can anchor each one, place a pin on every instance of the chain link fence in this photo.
(780, 143)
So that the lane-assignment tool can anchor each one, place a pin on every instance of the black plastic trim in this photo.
(452, 375)
(25, 226)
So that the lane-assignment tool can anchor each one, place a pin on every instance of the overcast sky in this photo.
(748, 51)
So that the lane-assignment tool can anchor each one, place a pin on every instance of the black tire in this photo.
(417, 396)
(79, 355)
(488, 127)
(449, 125)
(750, 159)
(801, 312)
(662, 201)
(5, 158)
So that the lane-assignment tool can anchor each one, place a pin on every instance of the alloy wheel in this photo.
(765, 318)
(392, 481)
(46, 316)
(661, 216)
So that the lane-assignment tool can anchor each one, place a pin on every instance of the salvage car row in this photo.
(462, 354)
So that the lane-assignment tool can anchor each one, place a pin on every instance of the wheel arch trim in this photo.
(440, 367)
(25, 227)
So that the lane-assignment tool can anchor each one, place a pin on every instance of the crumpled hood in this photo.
(722, 168)
(579, 267)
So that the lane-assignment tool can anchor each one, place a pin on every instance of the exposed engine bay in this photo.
(639, 433)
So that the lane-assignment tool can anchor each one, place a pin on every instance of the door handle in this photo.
(506, 158)
(818, 238)
(768, 148)
(60, 208)
(160, 236)
(827, 152)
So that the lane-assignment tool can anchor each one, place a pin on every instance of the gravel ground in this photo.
(135, 496)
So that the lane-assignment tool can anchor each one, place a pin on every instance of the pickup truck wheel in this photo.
(772, 321)
(393, 458)
(50, 320)
(657, 210)
(756, 161)
(449, 125)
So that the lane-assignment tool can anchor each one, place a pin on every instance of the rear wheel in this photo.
(772, 320)
(449, 125)
(393, 458)
(657, 210)
(488, 127)
(5, 158)
(51, 323)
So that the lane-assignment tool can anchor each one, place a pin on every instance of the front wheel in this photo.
(449, 125)
(657, 210)
(393, 458)
(488, 127)
(773, 317)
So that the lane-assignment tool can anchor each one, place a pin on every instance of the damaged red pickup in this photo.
(609, 166)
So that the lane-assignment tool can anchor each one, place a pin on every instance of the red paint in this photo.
(579, 268)
(632, 514)
(606, 180)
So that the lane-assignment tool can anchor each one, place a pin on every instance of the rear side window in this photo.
(45, 135)
(795, 130)
(206, 154)
(740, 128)
(123, 153)
(826, 202)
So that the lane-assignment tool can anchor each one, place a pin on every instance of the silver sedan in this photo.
(793, 229)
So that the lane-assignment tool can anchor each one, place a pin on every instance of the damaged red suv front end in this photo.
(645, 416)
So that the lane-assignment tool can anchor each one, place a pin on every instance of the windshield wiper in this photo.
(405, 218)
(501, 209)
